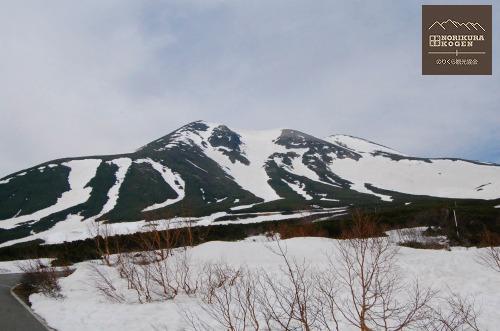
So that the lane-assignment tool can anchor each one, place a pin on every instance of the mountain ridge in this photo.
(208, 172)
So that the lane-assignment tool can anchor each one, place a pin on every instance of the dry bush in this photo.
(229, 297)
(39, 277)
(160, 271)
(365, 271)
(407, 235)
(104, 284)
(101, 232)
(216, 276)
(453, 313)
(241, 299)
(287, 300)
(490, 255)
(414, 238)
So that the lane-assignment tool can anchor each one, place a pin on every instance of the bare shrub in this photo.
(366, 272)
(408, 235)
(490, 255)
(160, 271)
(287, 300)
(229, 298)
(101, 232)
(240, 299)
(453, 313)
(414, 238)
(183, 273)
(42, 278)
(104, 284)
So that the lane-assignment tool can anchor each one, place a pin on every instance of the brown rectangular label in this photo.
(456, 39)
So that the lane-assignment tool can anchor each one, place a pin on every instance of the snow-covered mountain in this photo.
(212, 173)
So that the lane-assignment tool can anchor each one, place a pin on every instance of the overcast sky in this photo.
(102, 77)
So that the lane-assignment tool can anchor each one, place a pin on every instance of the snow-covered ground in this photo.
(83, 308)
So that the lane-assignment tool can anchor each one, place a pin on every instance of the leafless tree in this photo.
(366, 272)
(101, 232)
(489, 256)
(453, 313)
(287, 299)
(159, 271)
(228, 298)
(104, 284)
(326, 301)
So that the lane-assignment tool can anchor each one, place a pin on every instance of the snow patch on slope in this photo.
(173, 179)
(5, 181)
(256, 146)
(439, 178)
(298, 188)
(123, 165)
(82, 171)
(74, 227)
(359, 145)
(299, 168)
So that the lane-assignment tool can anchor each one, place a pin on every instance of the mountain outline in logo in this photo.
(449, 23)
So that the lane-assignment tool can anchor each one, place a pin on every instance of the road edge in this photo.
(38, 318)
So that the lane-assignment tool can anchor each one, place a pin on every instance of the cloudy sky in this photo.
(107, 76)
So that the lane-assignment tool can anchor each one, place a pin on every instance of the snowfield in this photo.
(83, 308)
(439, 178)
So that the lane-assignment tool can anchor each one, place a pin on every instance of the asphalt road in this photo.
(13, 316)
